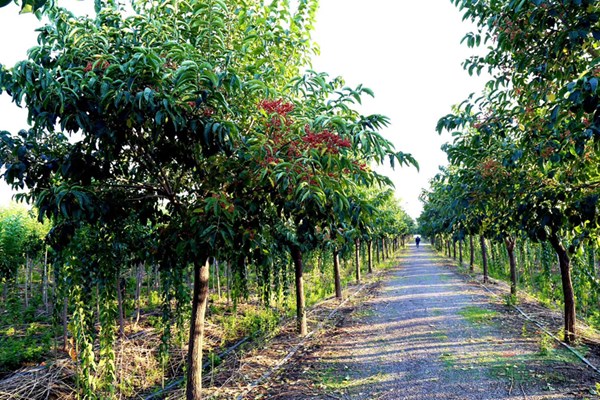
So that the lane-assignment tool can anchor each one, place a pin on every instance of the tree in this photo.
(170, 112)
(157, 114)
(542, 56)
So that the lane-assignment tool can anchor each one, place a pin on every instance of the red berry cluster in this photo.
(277, 107)
(361, 165)
(331, 140)
(90, 66)
(281, 109)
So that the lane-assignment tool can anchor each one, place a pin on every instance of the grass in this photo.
(334, 379)
(364, 313)
(531, 366)
(477, 315)
(20, 347)
(448, 359)
(440, 335)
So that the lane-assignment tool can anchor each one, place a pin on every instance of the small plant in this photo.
(524, 331)
(214, 359)
(546, 345)
(511, 300)
(154, 299)
(448, 359)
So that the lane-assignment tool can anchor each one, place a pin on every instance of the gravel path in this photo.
(429, 334)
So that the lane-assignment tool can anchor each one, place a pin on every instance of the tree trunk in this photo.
(228, 276)
(448, 248)
(45, 282)
(4, 296)
(484, 259)
(564, 263)
(65, 323)
(26, 281)
(387, 249)
(320, 263)
(138, 289)
(377, 251)
(370, 256)
(194, 360)
(460, 252)
(357, 259)
(120, 304)
(156, 278)
(218, 276)
(454, 249)
(510, 250)
(336, 274)
(471, 254)
(300, 309)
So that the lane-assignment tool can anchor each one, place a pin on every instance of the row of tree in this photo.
(524, 160)
(185, 132)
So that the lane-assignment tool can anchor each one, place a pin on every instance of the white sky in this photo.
(409, 53)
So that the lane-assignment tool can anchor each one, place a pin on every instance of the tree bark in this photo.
(138, 290)
(460, 252)
(120, 304)
(454, 249)
(194, 359)
(471, 254)
(65, 323)
(4, 296)
(377, 250)
(484, 259)
(228, 277)
(370, 256)
(300, 308)
(45, 282)
(357, 259)
(510, 250)
(336, 274)
(564, 263)
(26, 281)
(218, 276)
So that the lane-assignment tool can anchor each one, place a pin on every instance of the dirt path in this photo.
(429, 334)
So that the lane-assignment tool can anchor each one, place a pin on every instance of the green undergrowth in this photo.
(477, 315)
(28, 344)
(532, 366)
(252, 321)
(520, 368)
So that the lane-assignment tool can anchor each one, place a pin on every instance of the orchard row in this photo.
(182, 133)
(524, 161)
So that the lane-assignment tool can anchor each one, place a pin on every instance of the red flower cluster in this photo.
(490, 168)
(361, 165)
(277, 107)
(331, 140)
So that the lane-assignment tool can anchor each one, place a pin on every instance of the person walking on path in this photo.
(418, 240)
